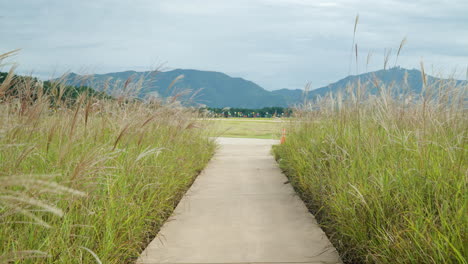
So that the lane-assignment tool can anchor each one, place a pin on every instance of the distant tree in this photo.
(265, 112)
(31, 87)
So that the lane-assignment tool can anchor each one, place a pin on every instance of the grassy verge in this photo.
(248, 119)
(386, 179)
(91, 180)
(248, 128)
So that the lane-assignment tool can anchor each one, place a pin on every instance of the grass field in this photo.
(386, 179)
(90, 181)
(247, 128)
(249, 119)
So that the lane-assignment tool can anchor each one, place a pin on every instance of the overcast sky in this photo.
(275, 43)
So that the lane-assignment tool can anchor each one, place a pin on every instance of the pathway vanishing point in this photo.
(241, 209)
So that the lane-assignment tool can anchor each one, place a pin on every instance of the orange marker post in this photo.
(283, 136)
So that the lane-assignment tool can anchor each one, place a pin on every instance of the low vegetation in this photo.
(55, 90)
(247, 128)
(89, 179)
(266, 112)
(386, 177)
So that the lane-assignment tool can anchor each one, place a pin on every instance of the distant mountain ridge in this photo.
(216, 89)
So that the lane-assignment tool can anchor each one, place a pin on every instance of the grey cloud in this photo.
(276, 43)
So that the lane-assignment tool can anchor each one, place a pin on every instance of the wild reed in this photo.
(385, 175)
(90, 179)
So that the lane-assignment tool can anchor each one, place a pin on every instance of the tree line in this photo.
(57, 90)
(266, 112)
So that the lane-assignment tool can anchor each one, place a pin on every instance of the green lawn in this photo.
(246, 128)
(249, 119)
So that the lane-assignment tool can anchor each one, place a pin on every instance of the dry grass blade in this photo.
(194, 95)
(37, 220)
(179, 95)
(22, 255)
(147, 121)
(356, 51)
(305, 94)
(423, 77)
(127, 82)
(75, 116)
(121, 134)
(178, 78)
(148, 152)
(402, 43)
(23, 155)
(356, 21)
(32, 201)
(95, 256)
(7, 82)
(8, 54)
(88, 111)
(90, 162)
(369, 56)
(387, 54)
(36, 184)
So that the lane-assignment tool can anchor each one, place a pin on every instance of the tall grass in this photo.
(385, 176)
(91, 180)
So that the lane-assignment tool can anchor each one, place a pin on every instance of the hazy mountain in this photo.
(217, 89)
(392, 77)
(291, 97)
(398, 79)
(214, 89)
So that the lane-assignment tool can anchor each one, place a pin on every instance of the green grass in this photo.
(249, 118)
(386, 180)
(246, 128)
(95, 177)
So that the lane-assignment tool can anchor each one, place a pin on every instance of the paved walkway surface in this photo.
(241, 209)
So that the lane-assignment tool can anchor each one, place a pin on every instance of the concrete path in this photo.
(241, 210)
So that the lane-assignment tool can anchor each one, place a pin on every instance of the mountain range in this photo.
(216, 89)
